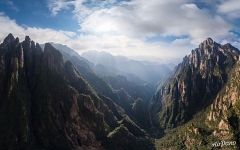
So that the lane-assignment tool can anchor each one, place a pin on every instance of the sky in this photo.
(159, 30)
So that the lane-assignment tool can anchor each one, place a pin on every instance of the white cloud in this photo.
(231, 8)
(77, 6)
(116, 44)
(143, 19)
(8, 25)
(133, 47)
(38, 34)
(154, 17)
(55, 6)
(124, 27)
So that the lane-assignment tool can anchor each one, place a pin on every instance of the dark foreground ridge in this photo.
(46, 104)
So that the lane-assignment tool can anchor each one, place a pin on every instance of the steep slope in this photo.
(69, 54)
(118, 88)
(46, 104)
(224, 114)
(194, 85)
(85, 68)
(216, 127)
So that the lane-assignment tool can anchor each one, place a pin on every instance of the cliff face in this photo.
(119, 89)
(224, 115)
(46, 104)
(194, 85)
(218, 126)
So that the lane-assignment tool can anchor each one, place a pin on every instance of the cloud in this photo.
(55, 6)
(116, 44)
(125, 27)
(10, 5)
(38, 34)
(133, 47)
(9, 25)
(79, 7)
(138, 18)
(231, 8)
(165, 18)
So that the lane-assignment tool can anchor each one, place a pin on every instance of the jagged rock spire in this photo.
(209, 41)
(206, 43)
(27, 39)
(9, 39)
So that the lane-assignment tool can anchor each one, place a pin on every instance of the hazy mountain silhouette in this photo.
(106, 64)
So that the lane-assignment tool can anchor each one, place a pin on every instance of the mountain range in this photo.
(51, 97)
(105, 64)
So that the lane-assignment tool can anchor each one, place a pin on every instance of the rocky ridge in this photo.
(45, 103)
(194, 85)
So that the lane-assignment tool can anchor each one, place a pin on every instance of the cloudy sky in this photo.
(152, 29)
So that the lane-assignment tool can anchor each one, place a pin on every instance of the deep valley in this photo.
(51, 97)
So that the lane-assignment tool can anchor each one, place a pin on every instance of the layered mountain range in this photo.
(106, 64)
(53, 98)
(123, 91)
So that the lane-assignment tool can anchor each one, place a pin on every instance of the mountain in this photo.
(45, 103)
(117, 88)
(215, 127)
(223, 117)
(135, 90)
(68, 53)
(53, 98)
(194, 85)
(85, 68)
(106, 64)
